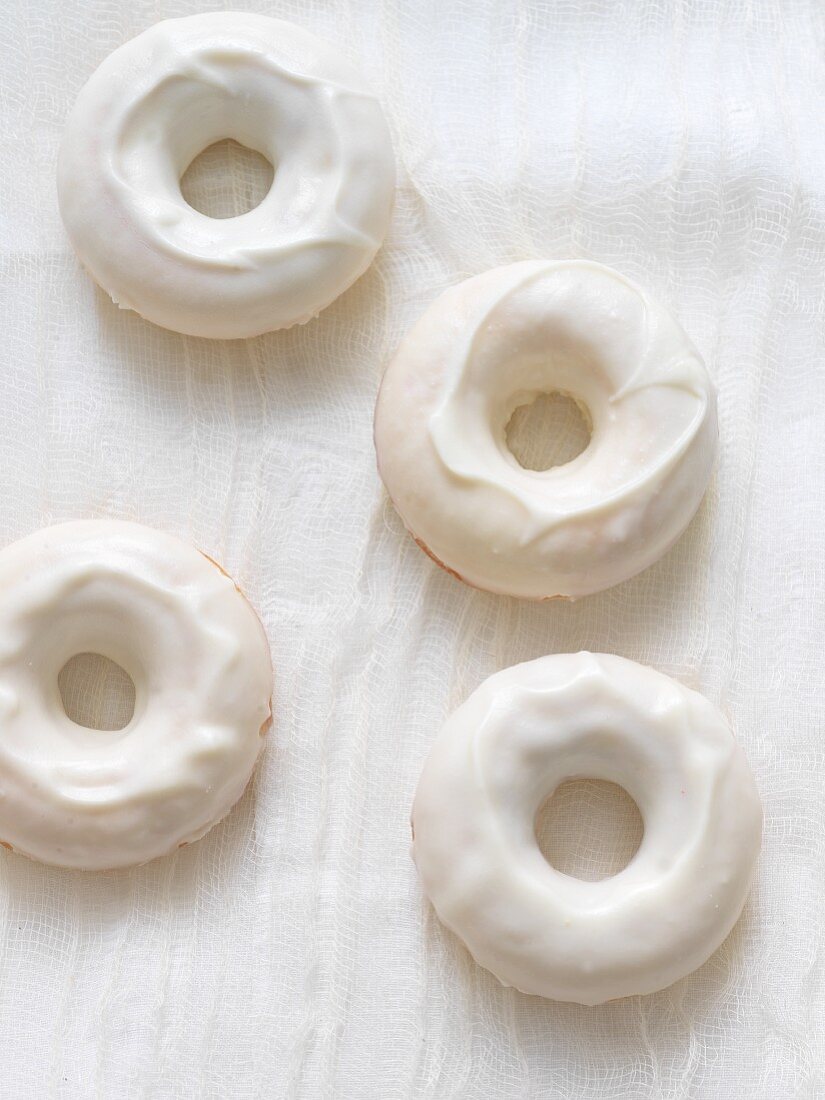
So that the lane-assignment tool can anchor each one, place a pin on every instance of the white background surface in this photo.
(290, 954)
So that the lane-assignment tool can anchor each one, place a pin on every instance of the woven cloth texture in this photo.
(290, 954)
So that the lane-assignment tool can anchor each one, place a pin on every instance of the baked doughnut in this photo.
(160, 100)
(502, 754)
(199, 660)
(496, 342)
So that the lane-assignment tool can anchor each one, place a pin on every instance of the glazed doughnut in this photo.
(199, 660)
(496, 342)
(499, 758)
(159, 101)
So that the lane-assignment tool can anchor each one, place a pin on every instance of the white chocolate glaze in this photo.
(170, 617)
(161, 99)
(501, 755)
(496, 342)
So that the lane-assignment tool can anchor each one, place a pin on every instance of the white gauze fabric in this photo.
(290, 954)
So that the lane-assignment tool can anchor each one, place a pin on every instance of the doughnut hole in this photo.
(226, 180)
(96, 692)
(551, 430)
(589, 829)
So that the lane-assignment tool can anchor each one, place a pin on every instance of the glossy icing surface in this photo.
(200, 663)
(496, 342)
(161, 99)
(501, 755)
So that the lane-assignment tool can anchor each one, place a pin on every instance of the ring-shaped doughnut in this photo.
(161, 99)
(499, 758)
(199, 660)
(496, 342)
